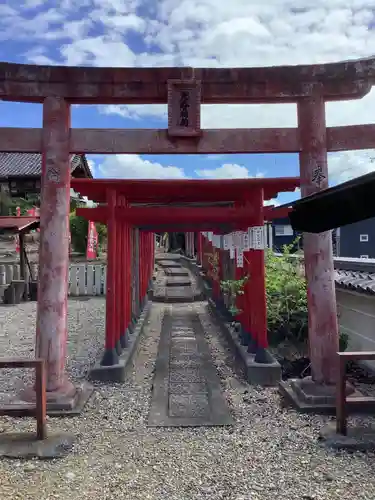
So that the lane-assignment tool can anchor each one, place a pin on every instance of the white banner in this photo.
(226, 242)
(209, 236)
(231, 245)
(239, 258)
(246, 241)
(237, 239)
(250, 232)
(258, 238)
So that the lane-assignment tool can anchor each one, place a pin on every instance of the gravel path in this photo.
(269, 453)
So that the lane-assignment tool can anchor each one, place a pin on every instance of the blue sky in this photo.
(196, 33)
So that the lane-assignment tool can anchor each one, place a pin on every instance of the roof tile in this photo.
(26, 164)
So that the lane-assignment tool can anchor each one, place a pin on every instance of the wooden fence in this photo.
(84, 279)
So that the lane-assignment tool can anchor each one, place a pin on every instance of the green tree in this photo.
(78, 231)
(286, 291)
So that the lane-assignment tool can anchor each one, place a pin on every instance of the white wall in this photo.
(356, 314)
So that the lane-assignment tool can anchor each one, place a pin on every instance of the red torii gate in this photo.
(310, 87)
(120, 214)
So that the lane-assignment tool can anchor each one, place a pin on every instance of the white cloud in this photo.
(226, 171)
(208, 33)
(346, 165)
(135, 167)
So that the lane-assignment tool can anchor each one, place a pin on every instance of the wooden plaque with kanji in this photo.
(184, 103)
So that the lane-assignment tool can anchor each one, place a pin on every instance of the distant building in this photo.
(353, 240)
(280, 233)
(357, 240)
(20, 173)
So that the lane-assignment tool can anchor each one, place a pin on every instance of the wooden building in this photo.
(20, 173)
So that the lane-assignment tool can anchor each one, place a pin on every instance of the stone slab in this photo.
(178, 281)
(169, 263)
(186, 389)
(293, 398)
(73, 408)
(263, 374)
(309, 392)
(358, 438)
(176, 295)
(119, 372)
(176, 272)
(187, 405)
(26, 446)
(57, 406)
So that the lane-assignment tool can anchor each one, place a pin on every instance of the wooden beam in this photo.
(20, 140)
(351, 137)
(149, 141)
(142, 216)
(272, 213)
(212, 141)
(170, 191)
(91, 85)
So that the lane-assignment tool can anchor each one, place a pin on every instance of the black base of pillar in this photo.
(252, 346)
(110, 357)
(118, 347)
(124, 342)
(263, 356)
(244, 337)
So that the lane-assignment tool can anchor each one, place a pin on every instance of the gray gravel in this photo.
(269, 453)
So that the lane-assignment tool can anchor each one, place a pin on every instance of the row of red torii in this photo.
(184, 90)
(114, 198)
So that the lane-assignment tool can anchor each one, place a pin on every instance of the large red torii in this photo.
(57, 88)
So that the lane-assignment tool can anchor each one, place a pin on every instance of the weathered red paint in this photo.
(30, 83)
(157, 141)
(51, 325)
(323, 327)
(310, 86)
(143, 141)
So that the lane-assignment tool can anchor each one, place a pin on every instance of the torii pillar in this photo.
(323, 326)
(52, 305)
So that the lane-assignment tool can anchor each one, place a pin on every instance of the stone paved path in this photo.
(176, 284)
(186, 389)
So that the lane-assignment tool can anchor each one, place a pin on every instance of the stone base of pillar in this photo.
(118, 370)
(309, 397)
(70, 400)
(263, 374)
(124, 339)
(358, 438)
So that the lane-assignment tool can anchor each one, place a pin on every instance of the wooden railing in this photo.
(342, 401)
(26, 410)
(84, 278)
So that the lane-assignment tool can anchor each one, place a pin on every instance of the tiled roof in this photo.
(353, 274)
(356, 281)
(26, 164)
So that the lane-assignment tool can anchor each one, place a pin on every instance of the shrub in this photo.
(286, 297)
